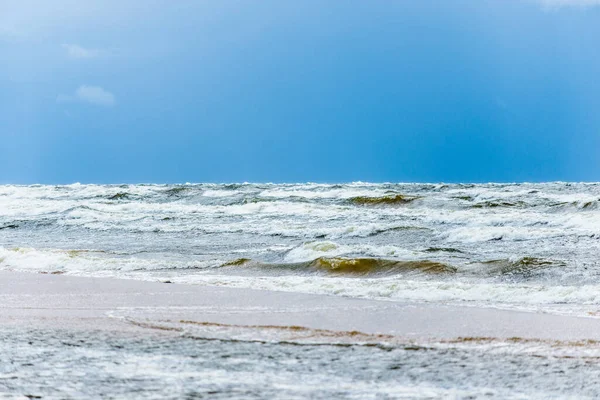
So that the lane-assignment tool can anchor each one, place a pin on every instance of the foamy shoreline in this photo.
(66, 302)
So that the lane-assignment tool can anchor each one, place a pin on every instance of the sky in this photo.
(162, 91)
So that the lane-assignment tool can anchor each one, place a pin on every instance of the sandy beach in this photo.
(82, 303)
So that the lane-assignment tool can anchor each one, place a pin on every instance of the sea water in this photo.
(521, 246)
(529, 247)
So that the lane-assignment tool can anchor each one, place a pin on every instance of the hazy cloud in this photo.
(95, 95)
(89, 94)
(76, 51)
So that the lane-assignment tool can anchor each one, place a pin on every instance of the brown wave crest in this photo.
(364, 266)
(395, 199)
(351, 266)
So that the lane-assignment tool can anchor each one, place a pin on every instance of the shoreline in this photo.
(32, 300)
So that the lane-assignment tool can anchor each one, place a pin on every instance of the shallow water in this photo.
(520, 246)
(68, 364)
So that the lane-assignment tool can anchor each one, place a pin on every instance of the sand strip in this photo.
(59, 301)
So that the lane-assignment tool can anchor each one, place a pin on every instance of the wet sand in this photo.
(68, 302)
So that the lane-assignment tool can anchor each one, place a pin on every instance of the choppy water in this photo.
(519, 246)
(66, 364)
(525, 246)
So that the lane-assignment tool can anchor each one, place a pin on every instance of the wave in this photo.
(395, 199)
(442, 249)
(237, 262)
(586, 205)
(367, 266)
(349, 266)
(9, 226)
(502, 203)
(176, 191)
(525, 266)
(120, 196)
(380, 231)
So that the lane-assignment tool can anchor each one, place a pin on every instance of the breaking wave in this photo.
(350, 266)
(395, 199)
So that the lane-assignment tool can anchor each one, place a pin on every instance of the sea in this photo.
(529, 247)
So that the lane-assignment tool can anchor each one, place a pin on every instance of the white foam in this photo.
(312, 250)
(89, 263)
(580, 300)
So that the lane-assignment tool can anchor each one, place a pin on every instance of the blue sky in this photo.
(282, 91)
